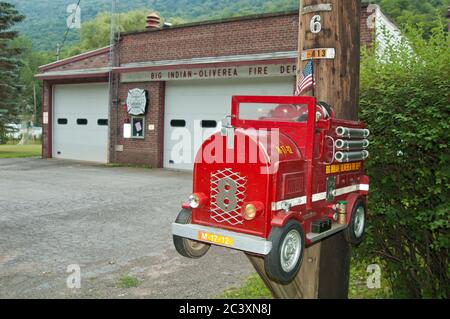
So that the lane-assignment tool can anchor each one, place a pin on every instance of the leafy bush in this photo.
(405, 102)
(126, 281)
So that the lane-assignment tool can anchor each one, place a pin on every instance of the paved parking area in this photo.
(109, 221)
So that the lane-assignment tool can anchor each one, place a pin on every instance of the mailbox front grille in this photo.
(228, 190)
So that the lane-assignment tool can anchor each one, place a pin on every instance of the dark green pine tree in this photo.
(10, 98)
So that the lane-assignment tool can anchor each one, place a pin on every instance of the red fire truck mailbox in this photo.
(282, 174)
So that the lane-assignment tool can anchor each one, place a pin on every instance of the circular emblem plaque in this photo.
(137, 101)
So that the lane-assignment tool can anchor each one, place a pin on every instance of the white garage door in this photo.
(200, 105)
(80, 122)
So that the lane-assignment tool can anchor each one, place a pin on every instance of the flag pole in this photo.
(313, 79)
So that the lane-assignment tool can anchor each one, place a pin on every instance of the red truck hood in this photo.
(233, 177)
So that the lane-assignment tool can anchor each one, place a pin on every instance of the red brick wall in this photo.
(367, 34)
(147, 151)
(46, 102)
(251, 36)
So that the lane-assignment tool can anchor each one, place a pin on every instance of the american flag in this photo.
(306, 79)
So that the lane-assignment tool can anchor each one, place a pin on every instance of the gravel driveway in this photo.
(110, 222)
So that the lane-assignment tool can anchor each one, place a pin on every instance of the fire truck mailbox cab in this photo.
(282, 174)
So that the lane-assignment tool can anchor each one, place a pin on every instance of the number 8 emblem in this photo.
(226, 198)
(315, 24)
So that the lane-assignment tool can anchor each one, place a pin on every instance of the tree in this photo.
(404, 101)
(96, 33)
(10, 99)
(426, 14)
(31, 87)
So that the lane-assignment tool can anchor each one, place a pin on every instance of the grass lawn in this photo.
(19, 151)
(254, 288)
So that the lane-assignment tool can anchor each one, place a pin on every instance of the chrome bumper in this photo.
(248, 243)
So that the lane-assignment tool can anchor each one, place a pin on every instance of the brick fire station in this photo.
(163, 79)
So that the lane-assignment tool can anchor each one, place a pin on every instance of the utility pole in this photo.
(329, 35)
(58, 49)
(113, 82)
(35, 104)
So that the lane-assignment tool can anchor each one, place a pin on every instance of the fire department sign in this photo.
(137, 101)
(255, 71)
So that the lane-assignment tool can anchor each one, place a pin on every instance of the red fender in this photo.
(280, 219)
(351, 200)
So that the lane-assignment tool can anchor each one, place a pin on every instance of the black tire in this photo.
(273, 261)
(187, 247)
(354, 234)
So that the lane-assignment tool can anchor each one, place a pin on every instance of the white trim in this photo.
(317, 8)
(319, 196)
(346, 190)
(364, 187)
(207, 60)
(299, 201)
(74, 72)
(383, 19)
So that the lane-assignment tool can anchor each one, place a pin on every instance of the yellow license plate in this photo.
(215, 239)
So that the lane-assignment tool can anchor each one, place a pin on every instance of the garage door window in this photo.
(178, 123)
(138, 125)
(102, 122)
(209, 124)
(62, 121)
(82, 121)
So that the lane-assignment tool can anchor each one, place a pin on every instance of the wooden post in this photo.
(337, 80)
(332, 25)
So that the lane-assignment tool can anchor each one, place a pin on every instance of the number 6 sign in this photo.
(315, 24)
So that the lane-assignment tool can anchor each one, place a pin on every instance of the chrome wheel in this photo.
(195, 245)
(360, 220)
(187, 247)
(291, 250)
(285, 259)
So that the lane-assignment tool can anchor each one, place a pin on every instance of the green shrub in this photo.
(126, 281)
(405, 102)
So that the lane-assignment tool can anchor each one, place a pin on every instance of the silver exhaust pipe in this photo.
(351, 145)
(352, 132)
(345, 157)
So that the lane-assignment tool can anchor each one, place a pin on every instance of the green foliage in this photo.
(46, 22)
(31, 88)
(126, 281)
(20, 151)
(10, 101)
(254, 288)
(405, 102)
(425, 14)
(358, 281)
(96, 33)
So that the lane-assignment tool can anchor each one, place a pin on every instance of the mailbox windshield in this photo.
(273, 112)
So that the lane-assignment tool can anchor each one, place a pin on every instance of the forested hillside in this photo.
(45, 21)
